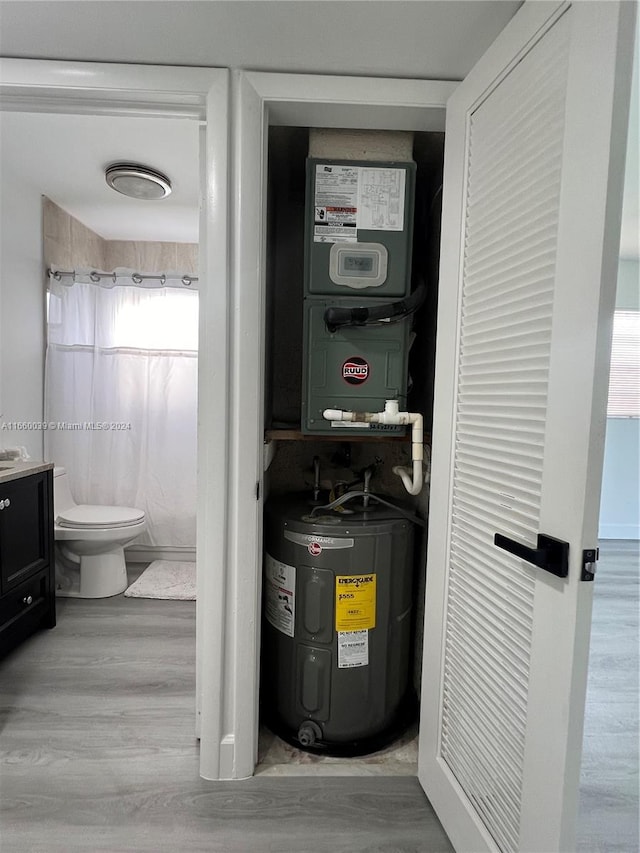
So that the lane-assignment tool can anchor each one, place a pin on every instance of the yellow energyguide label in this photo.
(355, 602)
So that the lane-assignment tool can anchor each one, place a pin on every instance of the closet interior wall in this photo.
(292, 466)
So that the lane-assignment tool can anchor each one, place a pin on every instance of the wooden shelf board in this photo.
(297, 435)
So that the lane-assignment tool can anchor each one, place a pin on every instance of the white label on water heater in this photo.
(280, 595)
(353, 649)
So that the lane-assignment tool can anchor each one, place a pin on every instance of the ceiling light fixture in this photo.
(137, 181)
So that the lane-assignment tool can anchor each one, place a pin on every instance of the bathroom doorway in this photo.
(120, 381)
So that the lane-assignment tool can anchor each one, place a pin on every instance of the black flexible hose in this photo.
(336, 317)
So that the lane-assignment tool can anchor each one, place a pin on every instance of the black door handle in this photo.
(552, 555)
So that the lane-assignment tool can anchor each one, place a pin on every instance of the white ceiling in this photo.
(395, 38)
(64, 156)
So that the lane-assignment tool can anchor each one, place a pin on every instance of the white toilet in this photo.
(90, 542)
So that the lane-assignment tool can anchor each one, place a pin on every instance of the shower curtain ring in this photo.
(94, 276)
(163, 280)
(187, 280)
(136, 278)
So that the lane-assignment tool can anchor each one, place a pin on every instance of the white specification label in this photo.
(348, 198)
(336, 191)
(279, 592)
(381, 199)
(334, 234)
(353, 649)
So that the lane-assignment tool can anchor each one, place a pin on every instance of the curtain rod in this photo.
(136, 277)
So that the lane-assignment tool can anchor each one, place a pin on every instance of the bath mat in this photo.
(166, 579)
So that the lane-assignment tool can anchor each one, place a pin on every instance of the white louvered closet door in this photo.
(527, 289)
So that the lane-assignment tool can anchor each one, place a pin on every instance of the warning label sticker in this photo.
(336, 215)
(279, 593)
(355, 602)
(353, 649)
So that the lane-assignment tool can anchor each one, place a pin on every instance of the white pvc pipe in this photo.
(411, 477)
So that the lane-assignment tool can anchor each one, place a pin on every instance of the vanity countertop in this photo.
(14, 470)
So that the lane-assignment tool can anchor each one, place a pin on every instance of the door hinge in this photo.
(258, 490)
(590, 558)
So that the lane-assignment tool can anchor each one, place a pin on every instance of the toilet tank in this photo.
(62, 498)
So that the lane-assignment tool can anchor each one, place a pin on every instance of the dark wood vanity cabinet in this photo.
(27, 575)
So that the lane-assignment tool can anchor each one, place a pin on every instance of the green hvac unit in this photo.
(357, 286)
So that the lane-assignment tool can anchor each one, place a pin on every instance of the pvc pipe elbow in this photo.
(413, 486)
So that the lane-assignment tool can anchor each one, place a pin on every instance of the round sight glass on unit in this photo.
(137, 181)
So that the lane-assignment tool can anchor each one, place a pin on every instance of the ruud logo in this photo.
(355, 370)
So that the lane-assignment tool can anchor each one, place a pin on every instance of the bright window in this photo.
(624, 377)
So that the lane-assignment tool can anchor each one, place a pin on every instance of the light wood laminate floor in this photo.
(97, 751)
(608, 815)
(98, 754)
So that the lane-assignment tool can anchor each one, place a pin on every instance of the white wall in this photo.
(22, 313)
(628, 292)
(620, 501)
(620, 508)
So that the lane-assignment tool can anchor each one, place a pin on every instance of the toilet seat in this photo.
(85, 516)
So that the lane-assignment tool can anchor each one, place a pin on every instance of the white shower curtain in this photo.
(121, 396)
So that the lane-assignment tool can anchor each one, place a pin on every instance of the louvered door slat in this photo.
(491, 365)
(490, 441)
(492, 513)
(517, 596)
(511, 252)
(501, 461)
(534, 203)
(465, 719)
(506, 790)
(528, 162)
(501, 304)
(516, 613)
(485, 676)
(509, 346)
(479, 378)
(508, 642)
(488, 708)
(509, 490)
(515, 148)
(532, 272)
(472, 541)
(471, 492)
(521, 326)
